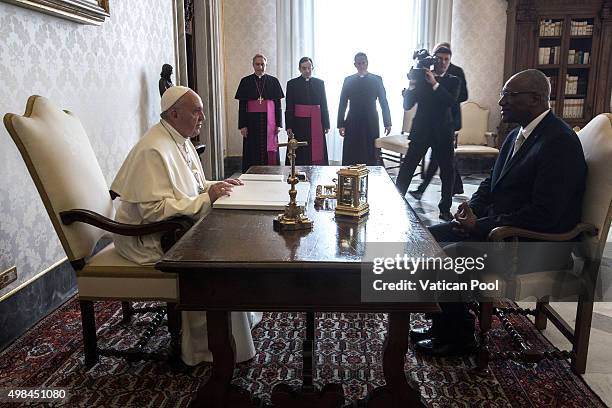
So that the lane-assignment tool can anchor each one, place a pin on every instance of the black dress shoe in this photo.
(457, 192)
(422, 333)
(446, 216)
(416, 194)
(436, 348)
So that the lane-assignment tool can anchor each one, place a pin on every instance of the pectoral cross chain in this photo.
(260, 91)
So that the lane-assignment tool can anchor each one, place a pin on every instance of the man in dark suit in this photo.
(432, 167)
(537, 183)
(433, 126)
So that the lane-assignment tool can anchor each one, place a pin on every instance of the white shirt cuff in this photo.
(436, 85)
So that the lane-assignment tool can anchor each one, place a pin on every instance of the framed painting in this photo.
(81, 11)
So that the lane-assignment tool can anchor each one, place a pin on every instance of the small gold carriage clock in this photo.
(351, 192)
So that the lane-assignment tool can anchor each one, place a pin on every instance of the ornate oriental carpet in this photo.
(348, 351)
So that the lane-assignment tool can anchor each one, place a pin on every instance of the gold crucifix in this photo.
(293, 218)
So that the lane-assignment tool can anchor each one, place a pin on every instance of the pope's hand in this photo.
(219, 189)
(234, 181)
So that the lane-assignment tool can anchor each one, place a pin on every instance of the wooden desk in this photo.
(233, 260)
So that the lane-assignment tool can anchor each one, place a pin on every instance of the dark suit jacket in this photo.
(540, 188)
(463, 92)
(434, 117)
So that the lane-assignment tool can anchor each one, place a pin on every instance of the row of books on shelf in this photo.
(549, 55)
(573, 108)
(578, 57)
(581, 28)
(549, 28)
(573, 83)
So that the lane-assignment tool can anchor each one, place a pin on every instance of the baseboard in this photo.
(24, 308)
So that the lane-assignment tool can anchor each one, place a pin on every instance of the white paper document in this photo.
(263, 192)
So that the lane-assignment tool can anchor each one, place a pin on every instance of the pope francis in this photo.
(162, 177)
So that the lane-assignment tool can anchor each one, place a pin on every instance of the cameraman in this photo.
(432, 166)
(433, 126)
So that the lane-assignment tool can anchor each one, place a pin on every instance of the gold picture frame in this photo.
(92, 12)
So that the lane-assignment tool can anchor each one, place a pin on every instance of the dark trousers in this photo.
(444, 152)
(455, 324)
(432, 167)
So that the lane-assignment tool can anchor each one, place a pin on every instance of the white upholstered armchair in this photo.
(64, 168)
(473, 140)
(579, 283)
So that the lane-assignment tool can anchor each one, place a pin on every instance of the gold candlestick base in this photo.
(292, 219)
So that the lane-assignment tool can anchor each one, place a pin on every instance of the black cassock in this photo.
(254, 147)
(361, 123)
(302, 92)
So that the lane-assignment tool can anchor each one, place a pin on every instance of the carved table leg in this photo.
(397, 392)
(174, 328)
(218, 392)
(285, 396)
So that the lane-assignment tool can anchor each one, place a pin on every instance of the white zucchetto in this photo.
(171, 95)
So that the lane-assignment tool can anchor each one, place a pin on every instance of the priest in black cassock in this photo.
(360, 128)
(259, 116)
(306, 115)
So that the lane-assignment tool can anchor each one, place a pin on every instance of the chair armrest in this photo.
(491, 139)
(173, 228)
(501, 233)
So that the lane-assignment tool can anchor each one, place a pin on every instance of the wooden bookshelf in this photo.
(570, 42)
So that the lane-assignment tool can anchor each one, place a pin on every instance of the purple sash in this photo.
(272, 141)
(316, 129)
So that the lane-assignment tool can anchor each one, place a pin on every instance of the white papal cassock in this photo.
(162, 177)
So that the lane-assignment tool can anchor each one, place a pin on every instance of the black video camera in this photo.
(423, 61)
